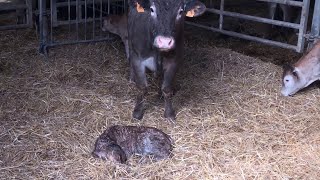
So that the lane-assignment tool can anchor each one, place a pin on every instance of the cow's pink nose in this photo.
(164, 43)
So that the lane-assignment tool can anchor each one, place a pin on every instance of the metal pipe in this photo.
(124, 6)
(315, 27)
(221, 15)
(69, 16)
(54, 13)
(77, 18)
(287, 2)
(85, 19)
(63, 4)
(247, 37)
(80, 41)
(52, 16)
(254, 18)
(7, 7)
(303, 25)
(29, 13)
(94, 22)
(43, 27)
(101, 21)
(16, 26)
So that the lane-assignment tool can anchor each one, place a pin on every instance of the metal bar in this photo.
(80, 41)
(43, 27)
(85, 19)
(77, 18)
(221, 15)
(75, 21)
(54, 13)
(247, 37)
(287, 2)
(254, 18)
(108, 7)
(52, 7)
(41, 22)
(29, 13)
(315, 27)
(15, 26)
(94, 22)
(101, 21)
(303, 25)
(69, 16)
(73, 3)
(7, 7)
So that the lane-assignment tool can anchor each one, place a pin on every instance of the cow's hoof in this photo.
(131, 80)
(170, 114)
(176, 89)
(138, 113)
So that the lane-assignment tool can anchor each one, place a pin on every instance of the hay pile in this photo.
(232, 122)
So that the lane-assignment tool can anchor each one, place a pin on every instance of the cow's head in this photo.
(167, 17)
(291, 82)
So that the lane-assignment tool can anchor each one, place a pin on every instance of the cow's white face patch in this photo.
(179, 15)
(150, 63)
(153, 11)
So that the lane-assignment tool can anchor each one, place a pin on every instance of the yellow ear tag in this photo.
(190, 13)
(139, 8)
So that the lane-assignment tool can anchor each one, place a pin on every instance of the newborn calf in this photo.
(120, 142)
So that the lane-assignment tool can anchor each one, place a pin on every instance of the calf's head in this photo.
(166, 18)
(304, 72)
(297, 77)
(112, 23)
(291, 81)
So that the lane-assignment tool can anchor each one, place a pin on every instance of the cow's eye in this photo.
(180, 11)
(151, 9)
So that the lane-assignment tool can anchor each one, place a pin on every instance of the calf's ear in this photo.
(139, 5)
(288, 67)
(194, 8)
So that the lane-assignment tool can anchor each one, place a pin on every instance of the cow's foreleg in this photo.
(141, 83)
(167, 89)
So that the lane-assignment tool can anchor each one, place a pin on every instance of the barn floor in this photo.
(231, 123)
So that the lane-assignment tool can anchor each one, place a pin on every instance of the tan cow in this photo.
(302, 73)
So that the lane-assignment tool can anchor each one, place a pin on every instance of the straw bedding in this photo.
(231, 123)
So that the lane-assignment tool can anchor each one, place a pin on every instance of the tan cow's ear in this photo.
(139, 8)
(195, 8)
(190, 13)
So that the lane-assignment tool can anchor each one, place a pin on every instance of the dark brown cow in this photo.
(155, 30)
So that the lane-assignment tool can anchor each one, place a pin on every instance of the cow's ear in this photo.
(287, 68)
(139, 5)
(194, 8)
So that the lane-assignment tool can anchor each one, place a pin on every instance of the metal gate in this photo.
(301, 27)
(18, 14)
(74, 21)
(83, 26)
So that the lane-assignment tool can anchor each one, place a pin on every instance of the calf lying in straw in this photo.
(118, 143)
(301, 74)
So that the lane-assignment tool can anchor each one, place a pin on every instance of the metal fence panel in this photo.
(23, 14)
(74, 21)
(302, 26)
